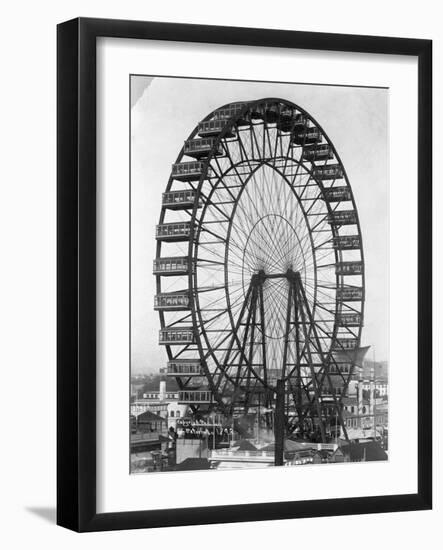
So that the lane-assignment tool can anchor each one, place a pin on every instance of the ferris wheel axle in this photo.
(261, 276)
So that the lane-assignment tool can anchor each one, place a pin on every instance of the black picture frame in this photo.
(76, 279)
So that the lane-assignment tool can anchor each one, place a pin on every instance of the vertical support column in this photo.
(304, 310)
(287, 331)
(279, 423)
(298, 400)
(263, 332)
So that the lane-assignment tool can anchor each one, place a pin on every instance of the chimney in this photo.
(162, 390)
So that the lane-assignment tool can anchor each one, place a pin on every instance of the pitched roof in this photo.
(291, 445)
(149, 416)
(246, 445)
(323, 453)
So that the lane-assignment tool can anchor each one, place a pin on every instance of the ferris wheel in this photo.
(259, 265)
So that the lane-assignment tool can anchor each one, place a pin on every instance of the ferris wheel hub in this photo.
(260, 277)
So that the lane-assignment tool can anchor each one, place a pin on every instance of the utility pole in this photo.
(279, 423)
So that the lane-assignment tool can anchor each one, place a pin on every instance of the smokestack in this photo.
(162, 390)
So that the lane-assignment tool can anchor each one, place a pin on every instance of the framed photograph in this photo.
(244, 274)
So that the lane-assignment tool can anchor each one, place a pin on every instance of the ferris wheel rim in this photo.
(231, 123)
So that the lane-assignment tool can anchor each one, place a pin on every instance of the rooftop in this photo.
(194, 464)
(148, 416)
(369, 451)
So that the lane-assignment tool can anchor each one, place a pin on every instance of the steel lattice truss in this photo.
(259, 267)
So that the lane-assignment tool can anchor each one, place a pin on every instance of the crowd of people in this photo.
(202, 430)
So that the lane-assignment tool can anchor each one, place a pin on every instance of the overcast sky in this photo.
(163, 113)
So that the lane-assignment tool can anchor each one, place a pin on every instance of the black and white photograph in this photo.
(259, 274)
(220, 285)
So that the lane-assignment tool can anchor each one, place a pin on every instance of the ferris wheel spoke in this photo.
(313, 291)
(211, 304)
(269, 131)
(264, 247)
(328, 254)
(287, 248)
(269, 142)
(236, 257)
(323, 220)
(202, 290)
(180, 320)
(259, 140)
(314, 203)
(204, 248)
(256, 244)
(245, 153)
(323, 244)
(297, 171)
(255, 208)
(221, 176)
(288, 155)
(216, 206)
(316, 296)
(255, 252)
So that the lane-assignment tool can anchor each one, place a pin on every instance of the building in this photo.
(366, 413)
(351, 405)
(148, 422)
(365, 410)
(143, 405)
(163, 401)
(190, 448)
(245, 454)
(380, 386)
(363, 452)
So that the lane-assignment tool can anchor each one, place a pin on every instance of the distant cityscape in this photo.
(165, 436)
